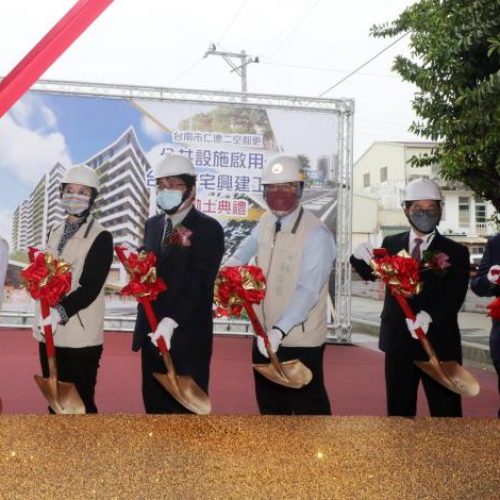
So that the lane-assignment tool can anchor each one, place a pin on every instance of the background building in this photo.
(123, 203)
(382, 172)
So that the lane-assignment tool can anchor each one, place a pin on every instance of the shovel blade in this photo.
(293, 373)
(62, 397)
(186, 391)
(451, 375)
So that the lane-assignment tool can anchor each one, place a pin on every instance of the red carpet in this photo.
(354, 375)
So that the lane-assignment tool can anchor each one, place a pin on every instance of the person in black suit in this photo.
(189, 246)
(485, 285)
(436, 307)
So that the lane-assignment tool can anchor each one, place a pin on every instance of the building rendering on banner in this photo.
(380, 176)
(40, 211)
(122, 206)
(123, 203)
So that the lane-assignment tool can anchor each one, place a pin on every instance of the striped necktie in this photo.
(167, 231)
(416, 250)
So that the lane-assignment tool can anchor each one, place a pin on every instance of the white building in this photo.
(21, 224)
(40, 211)
(123, 203)
(383, 171)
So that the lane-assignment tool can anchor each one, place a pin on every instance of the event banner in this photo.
(45, 133)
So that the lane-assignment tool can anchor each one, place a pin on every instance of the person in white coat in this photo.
(79, 318)
(296, 252)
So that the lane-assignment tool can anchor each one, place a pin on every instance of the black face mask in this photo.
(424, 221)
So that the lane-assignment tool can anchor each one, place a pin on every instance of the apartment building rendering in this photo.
(40, 211)
(122, 206)
(379, 178)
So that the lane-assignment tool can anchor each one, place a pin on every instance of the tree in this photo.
(455, 63)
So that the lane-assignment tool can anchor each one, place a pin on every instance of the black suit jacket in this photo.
(482, 287)
(189, 273)
(442, 296)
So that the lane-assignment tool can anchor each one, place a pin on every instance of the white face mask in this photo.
(75, 204)
(169, 199)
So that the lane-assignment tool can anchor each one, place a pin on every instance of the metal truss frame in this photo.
(340, 330)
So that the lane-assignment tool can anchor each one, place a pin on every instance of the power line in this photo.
(298, 16)
(232, 22)
(353, 72)
(301, 20)
(316, 68)
(431, 14)
(187, 70)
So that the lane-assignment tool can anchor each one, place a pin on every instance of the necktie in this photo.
(416, 250)
(167, 231)
(277, 226)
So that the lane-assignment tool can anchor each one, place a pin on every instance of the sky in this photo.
(304, 48)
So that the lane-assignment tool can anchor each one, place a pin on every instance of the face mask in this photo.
(424, 221)
(75, 204)
(281, 202)
(169, 200)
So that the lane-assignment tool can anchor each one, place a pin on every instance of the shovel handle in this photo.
(420, 333)
(410, 315)
(49, 338)
(258, 329)
(153, 323)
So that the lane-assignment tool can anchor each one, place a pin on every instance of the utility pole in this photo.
(241, 69)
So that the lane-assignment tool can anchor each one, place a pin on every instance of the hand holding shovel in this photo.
(292, 373)
(450, 374)
(62, 397)
(238, 287)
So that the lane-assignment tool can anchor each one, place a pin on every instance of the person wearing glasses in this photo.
(189, 246)
(296, 252)
(436, 306)
(78, 321)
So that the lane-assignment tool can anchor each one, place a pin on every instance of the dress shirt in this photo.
(317, 260)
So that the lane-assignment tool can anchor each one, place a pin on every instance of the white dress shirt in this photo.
(317, 260)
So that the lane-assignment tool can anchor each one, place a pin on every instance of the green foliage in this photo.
(455, 63)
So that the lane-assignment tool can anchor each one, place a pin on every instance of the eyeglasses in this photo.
(287, 187)
(170, 184)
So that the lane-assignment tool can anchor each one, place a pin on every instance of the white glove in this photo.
(364, 251)
(53, 319)
(232, 261)
(422, 320)
(275, 337)
(164, 329)
(494, 274)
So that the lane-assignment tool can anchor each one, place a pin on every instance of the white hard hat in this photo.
(174, 164)
(81, 174)
(422, 189)
(280, 169)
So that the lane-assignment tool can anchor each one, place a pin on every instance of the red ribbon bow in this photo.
(237, 286)
(46, 278)
(141, 267)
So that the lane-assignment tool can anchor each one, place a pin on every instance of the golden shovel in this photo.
(449, 374)
(291, 373)
(181, 387)
(62, 397)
